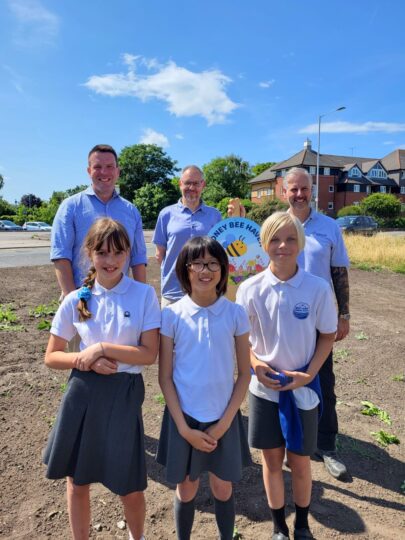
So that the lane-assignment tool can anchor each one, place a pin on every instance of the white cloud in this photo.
(179, 136)
(351, 127)
(267, 84)
(185, 92)
(151, 136)
(389, 143)
(36, 24)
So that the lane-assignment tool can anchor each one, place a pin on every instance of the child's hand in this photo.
(87, 357)
(200, 440)
(216, 431)
(299, 379)
(261, 371)
(104, 366)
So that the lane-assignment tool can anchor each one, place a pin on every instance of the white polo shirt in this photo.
(204, 353)
(119, 315)
(284, 318)
(324, 246)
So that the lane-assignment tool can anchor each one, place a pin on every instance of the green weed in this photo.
(159, 398)
(400, 378)
(8, 319)
(340, 354)
(44, 325)
(62, 387)
(361, 336)
(402, 488)
(372, 410)
(384, 439)
(44, 310)
(236, 534)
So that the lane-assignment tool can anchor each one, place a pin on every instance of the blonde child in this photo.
(98, 435)
(202, 427)
(293, 324)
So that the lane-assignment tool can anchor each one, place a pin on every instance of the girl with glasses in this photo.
(202, 426)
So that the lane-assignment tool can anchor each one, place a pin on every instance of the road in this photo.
(32, 249)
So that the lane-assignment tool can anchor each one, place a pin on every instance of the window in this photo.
(326, 171)
(330, 205)
(283, 171)
(368, 189)
(377, 173)
(356, 188)
(383, 189)
(403, 190)
(312, 170)
(355, 172)
(331, 189)
(356, 203)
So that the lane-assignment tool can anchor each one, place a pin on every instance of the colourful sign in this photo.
(240, 238)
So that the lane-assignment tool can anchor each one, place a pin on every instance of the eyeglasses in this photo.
(213, 266)
(194, 185)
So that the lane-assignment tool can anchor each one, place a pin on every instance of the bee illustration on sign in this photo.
(235, 247)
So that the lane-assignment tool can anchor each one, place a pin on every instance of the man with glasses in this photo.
(178, 223)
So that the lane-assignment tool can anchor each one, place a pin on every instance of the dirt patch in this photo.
(367, 507)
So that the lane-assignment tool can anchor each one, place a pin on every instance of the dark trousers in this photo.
(328, 425)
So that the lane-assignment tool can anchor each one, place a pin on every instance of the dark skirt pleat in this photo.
(181, 459)
(98, 434)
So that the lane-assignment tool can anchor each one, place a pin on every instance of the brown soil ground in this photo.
(368, 506)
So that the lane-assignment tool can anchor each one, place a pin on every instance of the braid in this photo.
(84, 312)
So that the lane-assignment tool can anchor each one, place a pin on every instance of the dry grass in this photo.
(378, 252)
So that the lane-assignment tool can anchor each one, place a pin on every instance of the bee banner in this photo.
(240, 237)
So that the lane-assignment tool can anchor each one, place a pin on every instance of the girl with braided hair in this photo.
(98, 434)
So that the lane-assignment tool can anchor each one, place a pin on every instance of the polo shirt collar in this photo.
(201, 208)
(192, 308)
(90, 191)
(120, 288)
(295, 281)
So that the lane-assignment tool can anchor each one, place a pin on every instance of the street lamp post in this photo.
(317, 154)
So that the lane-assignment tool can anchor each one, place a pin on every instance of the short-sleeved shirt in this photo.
(175, 225)
(324, 246)
(119, 316)
(74, 218)
(284, 318)
(204, 353)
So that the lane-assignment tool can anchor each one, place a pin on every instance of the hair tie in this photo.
(84, 293)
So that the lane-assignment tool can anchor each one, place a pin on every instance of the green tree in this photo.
(222, 206)
(6, 208)
(353, 210)
(151, 198)
(1, 181)
(226, 177)
(77, 189)
(143, 164)
(260, 167)
(381, 205)
(262, 211)
(30, 201)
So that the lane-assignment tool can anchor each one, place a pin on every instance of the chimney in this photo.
(308, 144)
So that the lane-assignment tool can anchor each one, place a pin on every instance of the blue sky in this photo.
(201, 78)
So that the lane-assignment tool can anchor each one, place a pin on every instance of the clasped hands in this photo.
(93, 359)
(299, 378)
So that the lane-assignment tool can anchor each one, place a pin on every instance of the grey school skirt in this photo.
(181, 459)
(98, 434)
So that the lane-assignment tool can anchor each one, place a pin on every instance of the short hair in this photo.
(274, 223)
(104, 149)
(297, 171)
(194, 168)
(197, 247)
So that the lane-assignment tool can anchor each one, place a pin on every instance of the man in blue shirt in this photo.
(178, 223)
(77, 213)
(324, 255)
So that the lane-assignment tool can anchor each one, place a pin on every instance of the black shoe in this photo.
(279, 536)
(333, 464)
(303, 534)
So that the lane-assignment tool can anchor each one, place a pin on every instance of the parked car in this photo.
(7, 225)
(36, 226)
(358, 224)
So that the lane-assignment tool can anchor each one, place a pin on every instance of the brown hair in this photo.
(197, 247)
(103, 230)
(104, 149)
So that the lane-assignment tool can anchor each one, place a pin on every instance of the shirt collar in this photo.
(184, 208)
(90, 191)
(120, 288)
(295, 281)
(192, 308)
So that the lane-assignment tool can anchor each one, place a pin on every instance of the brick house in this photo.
(343, 180)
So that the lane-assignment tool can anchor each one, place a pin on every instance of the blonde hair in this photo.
(274, 223)
(103, 230)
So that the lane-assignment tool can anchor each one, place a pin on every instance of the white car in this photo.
(36, 226)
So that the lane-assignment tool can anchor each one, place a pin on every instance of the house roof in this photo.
(308, 157)
(267, 174)
(394, 161)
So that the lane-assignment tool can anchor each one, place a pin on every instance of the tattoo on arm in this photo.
(340, 279)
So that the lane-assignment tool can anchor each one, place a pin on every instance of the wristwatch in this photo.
(345, 316)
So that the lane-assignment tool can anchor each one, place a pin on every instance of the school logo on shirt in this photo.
(301, 310)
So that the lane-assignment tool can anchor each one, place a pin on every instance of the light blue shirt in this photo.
(175, 225)
(74, 218)
(324, 246)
